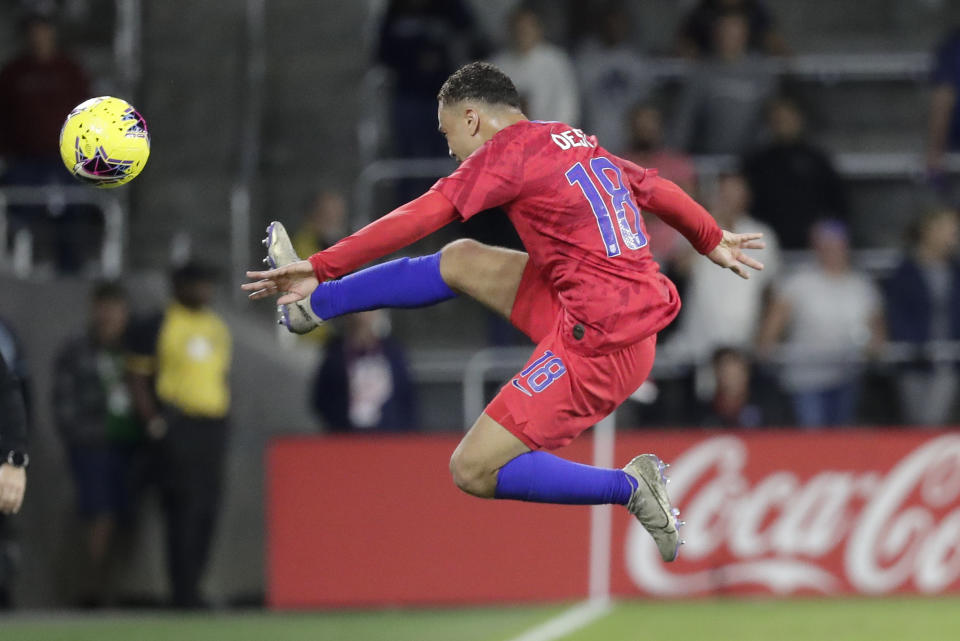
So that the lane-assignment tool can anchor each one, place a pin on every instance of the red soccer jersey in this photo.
(576, 207)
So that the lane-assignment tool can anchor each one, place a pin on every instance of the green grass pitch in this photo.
(907, 619)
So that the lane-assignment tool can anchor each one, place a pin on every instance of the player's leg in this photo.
(495, 459)
(485, 448)
(492, 462)
(505, 281)
(405, 282)
(552, 400)
(491, 275)
(534, 410)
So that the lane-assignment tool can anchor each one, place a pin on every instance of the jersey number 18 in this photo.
(609, 177)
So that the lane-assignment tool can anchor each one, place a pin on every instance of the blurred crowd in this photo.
(38, 88)
(140, 402)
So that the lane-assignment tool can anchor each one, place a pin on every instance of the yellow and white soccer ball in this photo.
(104, 142)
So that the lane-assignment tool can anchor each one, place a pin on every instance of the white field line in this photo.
(579, 616)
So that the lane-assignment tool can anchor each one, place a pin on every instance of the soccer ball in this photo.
(104, 142)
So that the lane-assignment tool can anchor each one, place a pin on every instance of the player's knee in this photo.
(471, 475)
(456, 258)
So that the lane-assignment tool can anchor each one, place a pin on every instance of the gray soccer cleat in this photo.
(651, 505)
(297, 317)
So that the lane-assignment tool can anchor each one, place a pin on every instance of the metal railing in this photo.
(126, 44)
(376, 84)
(851, 165)
(854, 165)
(392, 169)
(242, 191)
(906, 65)
(56, 198)
(473, 370)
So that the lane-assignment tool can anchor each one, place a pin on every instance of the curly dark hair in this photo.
(479, 81)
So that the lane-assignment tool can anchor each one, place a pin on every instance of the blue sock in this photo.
(544, 478)
(405, 282)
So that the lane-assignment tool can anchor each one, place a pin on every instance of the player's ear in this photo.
(472, 117)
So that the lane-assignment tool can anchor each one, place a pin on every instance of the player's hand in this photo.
(729, 253)
(294, 281)
(13, 483)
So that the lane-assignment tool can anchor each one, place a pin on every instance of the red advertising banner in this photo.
(376, 520)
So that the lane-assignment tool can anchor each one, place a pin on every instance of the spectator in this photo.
(612, 78)
(542, 72)
(719, 310)
(944, 127)
(793, 181)
(830, 315)
(923, 304)
(38, 88)
(324, 224)
(732, 404)
(646, 148)
(418, 43)
(95, 416)
(179, 363)
(363, 382)
(722, 102)
(13, 463)
(694, 38)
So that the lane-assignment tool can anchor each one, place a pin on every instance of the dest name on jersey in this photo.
(572, 138)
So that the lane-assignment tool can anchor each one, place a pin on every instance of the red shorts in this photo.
(560, 392)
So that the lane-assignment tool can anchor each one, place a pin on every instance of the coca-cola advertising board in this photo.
(373, 521)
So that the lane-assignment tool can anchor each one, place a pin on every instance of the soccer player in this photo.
(587, 291)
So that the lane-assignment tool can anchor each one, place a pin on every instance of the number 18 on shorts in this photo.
(540, 374)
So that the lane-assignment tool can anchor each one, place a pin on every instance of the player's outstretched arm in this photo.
(401, 227)
(729, 252)
(675, 207)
